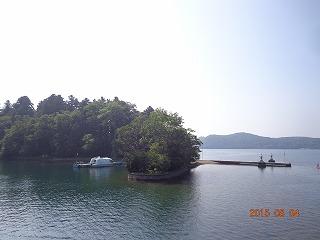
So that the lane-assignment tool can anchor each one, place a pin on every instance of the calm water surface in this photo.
(54, 201)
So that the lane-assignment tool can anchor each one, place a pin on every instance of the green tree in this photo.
(157, 143)
(148, 110)
(72, 103)
(42, 135)
(5, 123)
(151, 141)
(68, 133)
(112, 116)
(84, 103)
(131, 146)
(23, 107)
(52, 104)
(16, 138)
(88, 143)
(7, 109)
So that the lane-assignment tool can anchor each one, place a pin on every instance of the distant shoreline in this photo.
(264, 148)
(87, 159)
(251, 141)
(48, 159)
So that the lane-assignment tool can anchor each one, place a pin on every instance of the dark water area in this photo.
(54, 201)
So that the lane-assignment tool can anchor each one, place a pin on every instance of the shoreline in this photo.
(135, 176)
(46, 159)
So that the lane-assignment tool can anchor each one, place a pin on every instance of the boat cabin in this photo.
(100, 161)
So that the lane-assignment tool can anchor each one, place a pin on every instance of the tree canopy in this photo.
(62, 128)
(149, 141)
(52, 104)
(23, 106)
(157, 142)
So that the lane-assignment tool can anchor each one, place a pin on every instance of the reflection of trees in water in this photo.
(103, 194)
(164, 207)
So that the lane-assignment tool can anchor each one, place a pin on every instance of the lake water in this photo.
(55, 201)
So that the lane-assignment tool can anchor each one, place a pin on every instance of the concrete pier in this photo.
(244, 163)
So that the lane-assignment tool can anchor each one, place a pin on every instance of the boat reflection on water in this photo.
(99, 173)
(94, 173)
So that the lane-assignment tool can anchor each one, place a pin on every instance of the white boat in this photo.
(97, 162)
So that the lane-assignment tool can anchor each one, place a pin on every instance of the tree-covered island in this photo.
(151, 142)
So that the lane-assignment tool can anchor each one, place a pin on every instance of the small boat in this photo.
(271, 160)
(261, 163)
(318, 166)
(97, 162)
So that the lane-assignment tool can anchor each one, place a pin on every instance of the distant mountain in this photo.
(250, 141)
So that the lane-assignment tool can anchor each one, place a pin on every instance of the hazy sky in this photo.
(225, 66)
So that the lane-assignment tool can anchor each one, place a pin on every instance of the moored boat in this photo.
(261, 163)
(97, 162)
(271, 160)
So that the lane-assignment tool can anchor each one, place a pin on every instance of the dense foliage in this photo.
(149, 141)
(156, 141)
(59, 128)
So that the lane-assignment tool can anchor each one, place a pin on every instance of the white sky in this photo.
(225, 66)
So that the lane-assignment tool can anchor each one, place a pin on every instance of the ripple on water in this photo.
(55, 202)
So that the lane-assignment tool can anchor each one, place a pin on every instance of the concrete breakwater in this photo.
(243, 163)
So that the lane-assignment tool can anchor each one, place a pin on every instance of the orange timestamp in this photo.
(278, 212)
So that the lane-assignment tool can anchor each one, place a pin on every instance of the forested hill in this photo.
(152, 141)
(62, 128)
(250, 141)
